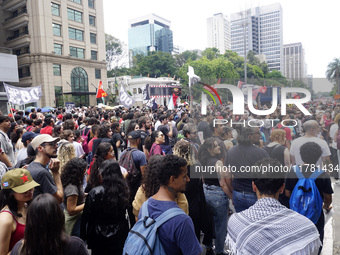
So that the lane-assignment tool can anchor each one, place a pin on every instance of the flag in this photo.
(240, 84)
(263, 89)
(171, 104)
(219, 80)
(22, 95)
(100, 91)
(116, 84)
(125, 99)
(146, 95)
(193, 78)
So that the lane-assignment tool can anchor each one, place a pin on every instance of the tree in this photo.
(184, 57)
(211, 53)
(115, 52)
(333, 73)
(252, 59)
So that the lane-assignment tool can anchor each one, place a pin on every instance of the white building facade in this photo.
(218, 28)
(294, 59)
(261, 30)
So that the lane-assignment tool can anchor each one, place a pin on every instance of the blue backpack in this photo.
(306, 198)
(143, 237)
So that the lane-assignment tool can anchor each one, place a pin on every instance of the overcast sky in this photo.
(313, 23)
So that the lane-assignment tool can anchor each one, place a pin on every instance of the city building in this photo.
(159, 88)
(294, 60)
(310, 82)
(60, 45)
(149, 33)
(177, 50)
(218, 28)
(260, 29)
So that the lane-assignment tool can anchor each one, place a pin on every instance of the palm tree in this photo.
(333, 73)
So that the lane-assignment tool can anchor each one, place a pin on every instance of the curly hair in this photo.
(278, 135)
(66, 133)
(101, 152)
(73, 172)
(183, 149)
(102, 131)
(66, 152)
(203, 153)
(150, 180)
(170, 166)
(68, 125)
(115, 186)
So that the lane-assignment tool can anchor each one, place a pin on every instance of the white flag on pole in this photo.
(193, 78)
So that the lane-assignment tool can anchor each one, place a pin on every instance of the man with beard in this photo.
(144, 124)
(45, 147)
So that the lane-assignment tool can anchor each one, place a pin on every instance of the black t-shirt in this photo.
(323, 182)
(165, 130)
(204, 127)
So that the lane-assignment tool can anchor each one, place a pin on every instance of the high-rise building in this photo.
(294, 59)
(218, 28)
(260, 29)
(150, 33)
(60, 45)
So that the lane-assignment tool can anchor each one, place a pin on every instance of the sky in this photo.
(313, 23)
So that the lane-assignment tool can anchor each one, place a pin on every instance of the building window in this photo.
(58, 91)
(91, 4)
(92, 20)
(93, 38)
(76, 1)
(58, 49)
(77, 52)
(74, 15)
(79, 83)
(56, 29)
(93, 55)
(56, 70)
(24, 72)
(97, 73)
(75, 34)
(55, 9)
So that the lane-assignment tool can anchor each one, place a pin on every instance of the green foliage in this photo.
(114, 50)
(120, 72)
(211, 53)
(333, 73)
(186, 56)
(274, 74)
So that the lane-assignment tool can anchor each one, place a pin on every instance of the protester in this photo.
(26, 139)
(17, 188)
(157, 139)
(7, 152)
(44, 233)
(66, 152)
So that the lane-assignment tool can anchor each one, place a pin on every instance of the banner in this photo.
(125, 99)
(146, 95)
(20, 95)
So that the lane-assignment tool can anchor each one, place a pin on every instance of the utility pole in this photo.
(244, 20)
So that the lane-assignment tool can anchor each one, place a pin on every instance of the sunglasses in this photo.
(52, 144)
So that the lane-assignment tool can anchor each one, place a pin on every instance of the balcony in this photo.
(18, 40)
(17, 35)
(16, 21)
(12, 5)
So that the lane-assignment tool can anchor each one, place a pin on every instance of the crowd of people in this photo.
(77, 181)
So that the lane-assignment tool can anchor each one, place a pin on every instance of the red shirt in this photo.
(46, 130)
(91, 143)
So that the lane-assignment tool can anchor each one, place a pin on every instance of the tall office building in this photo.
(261, 30)
(218, 28)
(150, 33)
(294, 59)
(60, 45)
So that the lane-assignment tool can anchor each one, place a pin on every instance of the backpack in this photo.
(143, 237)
(306, 198)
(85, 143)
(127, 162)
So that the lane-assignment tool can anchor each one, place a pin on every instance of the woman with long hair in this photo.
(150, 185)
(57, 130)
(103, 152)
(17, 190)
(157, 138)
(104, 222)
(44, 233)
(72, 178)
(117, 138)
(66, 152)
(68, 135)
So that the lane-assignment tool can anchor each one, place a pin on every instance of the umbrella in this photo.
(29, 108)
(48, 108)
(45, 110)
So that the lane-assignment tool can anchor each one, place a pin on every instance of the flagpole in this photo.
(190, 101)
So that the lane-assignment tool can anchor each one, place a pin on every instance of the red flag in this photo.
(219, 80)
(240, 84)
(263, 89)
(100, 91)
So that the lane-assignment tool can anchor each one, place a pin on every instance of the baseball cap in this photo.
(44, 138)
(133, 135)
(19, 180)
(60, 116)
(28, 135)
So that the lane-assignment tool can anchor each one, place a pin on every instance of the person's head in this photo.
(45, 145)
(33, 116)
(68, 124)
(5, 123)
(67, 135)
(278, 135)
(311, 127)
(104, 131)
(268, 183)
(144, 122)
(217, 128)
(173, 173)
(134, 137)
(44, 231)
(77, 135)
(57, 129)
(150, 180)
(115, 127)
(163, 119)
(310, 152)
(249, 135)
(115, 187)
(73, 172)
(190, 131)
(66, 152)
(157, 137)
(133, 127)
(38, 123)
(17, 186)
(208, 149)
(183, 149)
(27, 137)
(49, 121)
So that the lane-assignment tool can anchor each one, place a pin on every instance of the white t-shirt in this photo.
(297, 143)
(22, 154)
(332, 132)
(78, 148)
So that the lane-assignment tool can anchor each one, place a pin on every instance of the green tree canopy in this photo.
(211, 53)
(114, 51)
(333, 73)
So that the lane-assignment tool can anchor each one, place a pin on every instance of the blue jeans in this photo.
(218, 202)
(243, 201)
